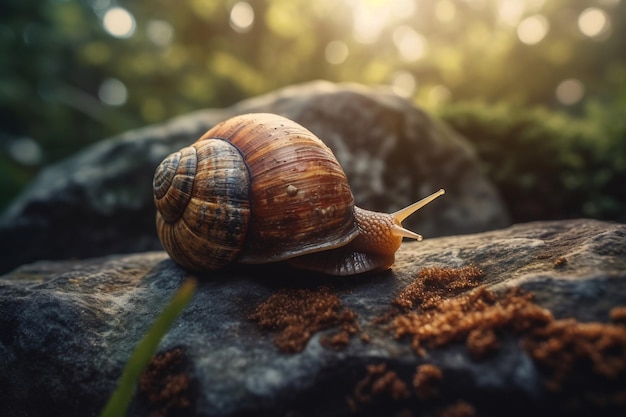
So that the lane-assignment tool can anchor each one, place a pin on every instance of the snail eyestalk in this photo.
(402, 214)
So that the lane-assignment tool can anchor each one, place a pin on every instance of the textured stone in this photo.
(99, 201)
(68, 327)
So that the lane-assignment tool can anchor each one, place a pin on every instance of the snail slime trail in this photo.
(260, 188)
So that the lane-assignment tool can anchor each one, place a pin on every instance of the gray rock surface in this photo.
(68, 327)
(99, 201)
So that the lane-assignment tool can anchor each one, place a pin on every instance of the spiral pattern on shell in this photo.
(256, 188)
(201, 194)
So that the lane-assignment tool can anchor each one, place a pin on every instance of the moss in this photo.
(548, 165)
(297, 314)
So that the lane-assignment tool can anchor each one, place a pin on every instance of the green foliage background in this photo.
(549, 160)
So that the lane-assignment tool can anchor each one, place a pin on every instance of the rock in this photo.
(99, 201)
(68, 327)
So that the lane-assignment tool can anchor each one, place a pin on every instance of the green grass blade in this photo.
(121, 398)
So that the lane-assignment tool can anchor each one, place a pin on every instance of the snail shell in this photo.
(260, 188)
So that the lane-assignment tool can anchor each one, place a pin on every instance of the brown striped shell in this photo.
(260, 188)
(256, 188)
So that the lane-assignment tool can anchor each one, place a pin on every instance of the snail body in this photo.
(260, 188)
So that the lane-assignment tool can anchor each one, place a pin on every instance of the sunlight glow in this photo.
(372, 17)
(533, 29)
(336, 52)
(241, 17)
(118, 22)
(534, 6)
(477, 4)
(510, 11)
(445, 11)
(403, 9)
(594, 23)
(369, 22)
(570, 91)
(411, 45)
(609, 3)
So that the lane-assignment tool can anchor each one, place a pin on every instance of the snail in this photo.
(260, 188)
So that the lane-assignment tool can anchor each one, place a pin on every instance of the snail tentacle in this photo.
(402, 214)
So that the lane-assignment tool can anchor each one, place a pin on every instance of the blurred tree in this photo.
(75, 71)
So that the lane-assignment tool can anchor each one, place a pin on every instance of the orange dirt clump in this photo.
(479, 316)
(434, 284)
(166, 385)
(563, 344)
(383, 389)
(618, 315)
(300, 313)
(560, 262)
(471, 317)
(379, 384)
(426, 380)
(458, 409)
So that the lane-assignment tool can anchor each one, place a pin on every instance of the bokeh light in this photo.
(336, 52)
(594, 23)
(411, 45)
(113, 92)
(533, 6)
(570, 91)
(403, 9)
(445, 11)
(533, 29)
(439, 95)
(368, 22)
(403, 83)
(477, 4)
(118, 22)
(160, 32)
(510, 11)
(241, 17)
(145, 62)
(25, 150)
